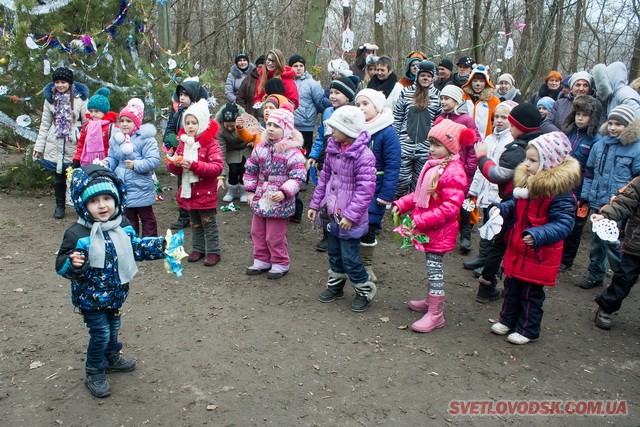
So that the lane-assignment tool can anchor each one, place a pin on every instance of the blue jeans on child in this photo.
(104, 326)
(599, 253)
(344, 257)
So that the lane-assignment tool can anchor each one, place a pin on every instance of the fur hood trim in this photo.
(628, 136)
(551, 182)
(385, 119)
(585, 103)
(294, 141)
(486, 94)
(207, 137)
(237, 72)
(147, 130)
(79, 91)
(608, 79)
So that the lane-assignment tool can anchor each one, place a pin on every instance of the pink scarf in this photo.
(93, 142)
(422, 196)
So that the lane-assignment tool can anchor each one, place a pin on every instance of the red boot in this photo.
(434, 318)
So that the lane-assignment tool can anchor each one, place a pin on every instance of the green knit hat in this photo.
(100, 101)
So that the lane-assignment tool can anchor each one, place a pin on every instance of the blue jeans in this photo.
(344, 257)
(104, 326)
(599, 253)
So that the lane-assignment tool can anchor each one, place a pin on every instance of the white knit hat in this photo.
(580, 75)
(338, 66)
(453, 92)
(376, 97)
(348, 120)
(199, 110)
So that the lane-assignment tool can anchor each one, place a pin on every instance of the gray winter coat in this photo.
(310, 95)
(612, 89)
(234, 80)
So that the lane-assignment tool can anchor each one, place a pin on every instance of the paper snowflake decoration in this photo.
(381, 18)
(3, 90)
(443, 39)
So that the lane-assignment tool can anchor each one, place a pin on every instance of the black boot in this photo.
(323, 244)
(117, 363)
(487, 291)
(334, 288)
(183, 220)
(60, 191)
(478, 261)
(97, 383)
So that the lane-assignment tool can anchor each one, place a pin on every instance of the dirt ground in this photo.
(220, 348)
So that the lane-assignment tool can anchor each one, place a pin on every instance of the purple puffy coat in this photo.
(347, 183)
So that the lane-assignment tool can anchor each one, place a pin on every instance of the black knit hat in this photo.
(260, 60)
(465, 60)
(346, 86)
(229, 113)
(446, 63)
(297, 58)
(241, 56)
(525, 117)
(63, 73)
(274, 86)
(426, 67)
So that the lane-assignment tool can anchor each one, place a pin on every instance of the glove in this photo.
(171, 141)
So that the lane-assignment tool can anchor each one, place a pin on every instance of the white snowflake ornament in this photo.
(381, 18)
(3, 90)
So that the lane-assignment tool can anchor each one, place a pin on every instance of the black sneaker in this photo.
(360, 303)
(590, 283)
(96, 382)
(118, 363)
(322, 245)
(58, 213)
(331, 294)
(180, 224)
(603, 320)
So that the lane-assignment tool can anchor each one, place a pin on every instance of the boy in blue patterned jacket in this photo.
(98, 254)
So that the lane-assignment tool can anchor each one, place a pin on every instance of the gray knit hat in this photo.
(622, 113)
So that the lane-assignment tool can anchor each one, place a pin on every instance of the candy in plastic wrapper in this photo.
(174, 253)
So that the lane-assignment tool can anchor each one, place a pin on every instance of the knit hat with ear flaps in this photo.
(454, 92)
(62, 73)
(452, 135)
(552, 148)
(100, 101)
(622, 113)
(346, 86)
(199, 110)
(376, 97)
(348, 120)
(90, 181)
(525, 117)
(134, 110)
(99, 186)
(283, 119)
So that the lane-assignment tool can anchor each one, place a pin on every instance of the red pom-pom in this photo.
(467, 137)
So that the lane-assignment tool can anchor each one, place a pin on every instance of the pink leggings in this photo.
(269, 237)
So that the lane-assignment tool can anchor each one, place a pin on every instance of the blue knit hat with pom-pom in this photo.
(100, 101)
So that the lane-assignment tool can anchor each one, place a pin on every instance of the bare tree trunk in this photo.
(557, 42)
(577, 28)
(312, 34)
(476, 30)
(242, 24)
(378, 30)
(542, 41)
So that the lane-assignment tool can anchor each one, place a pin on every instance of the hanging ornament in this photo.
(508, 52)
(381, 18)
(23, 120)
(3, 90)
(109, 57)
(347, 40)
(172, 63)
(412, 33)
(443, 39)
(196, 66)
(122, 64)
(30, 43)
(46, 67)
(4, 60)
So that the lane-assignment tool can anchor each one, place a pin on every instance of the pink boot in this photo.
(434, 318)
(421, 305)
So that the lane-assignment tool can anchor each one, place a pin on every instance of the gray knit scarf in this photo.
(126, 263)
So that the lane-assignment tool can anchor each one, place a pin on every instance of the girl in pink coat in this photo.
(434, 208)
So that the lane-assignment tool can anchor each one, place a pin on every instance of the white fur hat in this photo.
(376, 97)
(337, 66)
(199, 110)
(348, 120)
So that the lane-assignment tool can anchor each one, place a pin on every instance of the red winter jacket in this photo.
(287, 77)
(440, 220)
(204, 193)
(112, 118)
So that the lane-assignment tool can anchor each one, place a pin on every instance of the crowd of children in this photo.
(435, 146)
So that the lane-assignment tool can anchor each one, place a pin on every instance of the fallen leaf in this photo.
(227, 388)
(433, 373)
(212, 407)
(18, 290)
(36, 365)
(316, 367)
(492, 320)
(403, 327)
(384, 319)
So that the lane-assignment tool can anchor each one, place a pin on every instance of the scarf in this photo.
(386, 86)
(190, 153)
(63, 114)
(508, 95)
(93, 142)
(422, 196)
(124, 260)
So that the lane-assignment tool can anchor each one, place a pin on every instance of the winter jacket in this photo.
(274, 167)
(545, 91)
(346, 185)
(612, 88)
(485, 191)
(234, 80)
(467, 153)
(210, 163)
(234, 149)
(613, 162)
(548, 215)
(439, 221)
(196, 92)
(324, 132)
(561, 109)
(481, 108)
(440, 84)
(501, 172)
(99, 288)
(581, 145)
(107, 128)
(287, 77)
(627, 206)
(141, 191)
(58, 153)
(390, 87)
(246, 92)
(411, 125)
(310, 95)
(385, 146)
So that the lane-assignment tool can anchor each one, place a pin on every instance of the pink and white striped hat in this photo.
(284, 119)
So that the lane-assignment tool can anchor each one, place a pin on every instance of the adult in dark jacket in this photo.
(445, 71)
(507, 90)
(188, 92)
(464, 65)
(552, 88)
(361, 58)
(247, 90)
